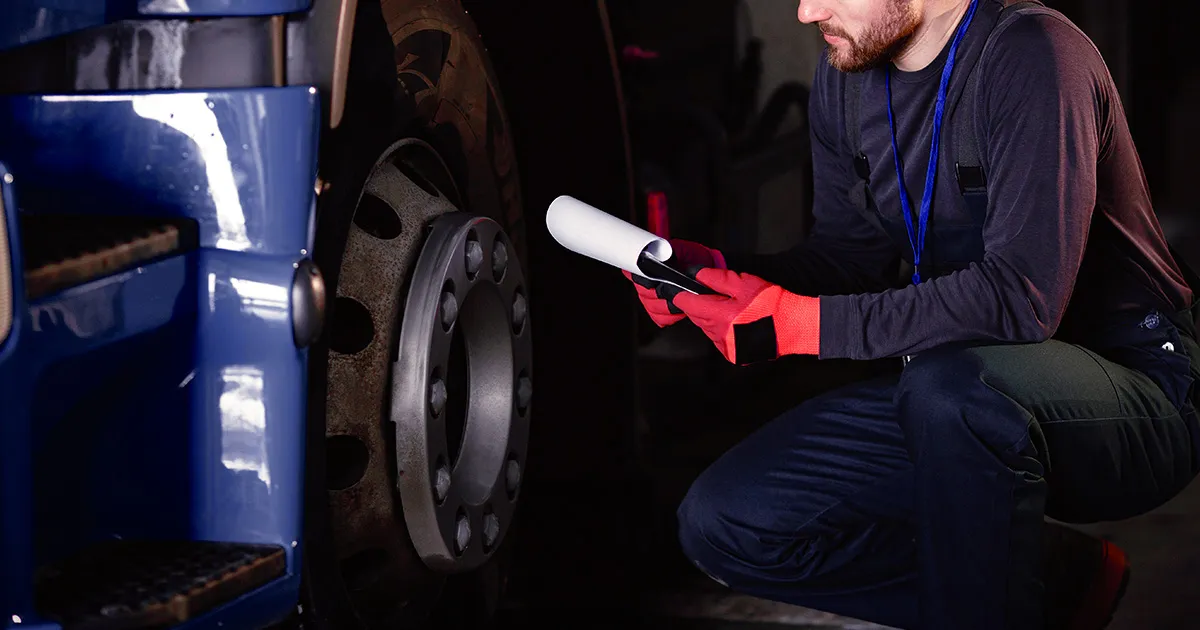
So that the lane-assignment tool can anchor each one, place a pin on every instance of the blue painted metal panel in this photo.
(111, 422)
(9, 216)
(195, 399)
(197, 8)
(166, 401)
(241, 162)
(249, 388)
(16, 491)
(27, 21)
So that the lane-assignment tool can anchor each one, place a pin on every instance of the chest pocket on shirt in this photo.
(954, 240)
(950, 244)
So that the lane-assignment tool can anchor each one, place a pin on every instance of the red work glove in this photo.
(758, 321)
(657, 297)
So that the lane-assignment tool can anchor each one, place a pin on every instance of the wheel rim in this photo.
(384, 444)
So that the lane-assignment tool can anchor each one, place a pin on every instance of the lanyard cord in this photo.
(917, 241)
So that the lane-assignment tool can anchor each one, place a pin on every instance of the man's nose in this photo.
(813, 11)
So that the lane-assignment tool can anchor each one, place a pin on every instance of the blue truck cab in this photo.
(152, 367)
(266, 304)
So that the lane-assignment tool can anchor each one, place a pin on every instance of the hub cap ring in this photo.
(458, 512)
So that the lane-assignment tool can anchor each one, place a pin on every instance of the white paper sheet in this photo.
(599, 235)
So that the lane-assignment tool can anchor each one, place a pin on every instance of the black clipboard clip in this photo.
(669, 272)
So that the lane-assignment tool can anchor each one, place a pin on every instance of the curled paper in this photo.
(599, 235)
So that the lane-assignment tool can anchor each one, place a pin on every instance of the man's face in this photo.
(862, 33)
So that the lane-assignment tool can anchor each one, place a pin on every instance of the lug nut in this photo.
(491, 529)
(524, 393)
(437, 396)
(441, 484)
(520, 310)
(474, 257)
(462, 533)
(512, 476)
(449, 310)
(499, 260)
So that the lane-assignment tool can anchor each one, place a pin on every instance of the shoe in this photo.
(1085, 579)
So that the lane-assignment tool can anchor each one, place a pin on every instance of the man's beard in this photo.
(881, 42)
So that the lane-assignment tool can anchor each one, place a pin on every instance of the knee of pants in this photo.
(723, 534)
(944, 398)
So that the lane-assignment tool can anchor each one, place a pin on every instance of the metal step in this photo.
(62, 251)
(124, 585)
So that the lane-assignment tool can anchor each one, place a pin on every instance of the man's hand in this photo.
(758, 321)
(657, 298)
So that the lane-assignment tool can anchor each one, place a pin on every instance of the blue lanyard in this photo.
(917, 241)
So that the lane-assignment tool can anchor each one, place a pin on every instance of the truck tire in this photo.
(419, 212)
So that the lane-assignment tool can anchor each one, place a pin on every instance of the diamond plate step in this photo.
(62, 251)
(124, 585)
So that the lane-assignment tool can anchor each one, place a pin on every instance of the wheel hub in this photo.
(459, 499)
(426, 336)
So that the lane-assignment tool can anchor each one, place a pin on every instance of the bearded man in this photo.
(1043, 334)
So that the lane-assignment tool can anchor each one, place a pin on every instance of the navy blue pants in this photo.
(917, 500)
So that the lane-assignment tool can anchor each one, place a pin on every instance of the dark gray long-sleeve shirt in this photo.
(1070, 232)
